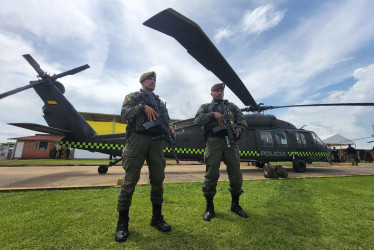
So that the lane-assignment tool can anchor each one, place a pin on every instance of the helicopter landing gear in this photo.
(260, 164)
(104, 168)
(299, 165)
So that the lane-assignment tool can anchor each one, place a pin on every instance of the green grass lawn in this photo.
(319, 213)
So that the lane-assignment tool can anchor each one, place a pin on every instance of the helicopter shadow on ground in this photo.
(319, 171)
(46, 180)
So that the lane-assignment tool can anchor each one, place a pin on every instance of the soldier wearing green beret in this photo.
(211, 116)
(141, 145)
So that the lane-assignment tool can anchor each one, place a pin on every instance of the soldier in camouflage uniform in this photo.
(352, 155)
(209, 116)
(140, 146)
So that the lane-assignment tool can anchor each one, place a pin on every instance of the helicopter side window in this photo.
(266, 138)
(281, 139)
(303, 140)
(300, 139)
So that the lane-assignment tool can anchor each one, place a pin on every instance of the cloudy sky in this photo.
(285, 52)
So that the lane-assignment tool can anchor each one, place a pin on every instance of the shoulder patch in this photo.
(127, 98)
(202, 107)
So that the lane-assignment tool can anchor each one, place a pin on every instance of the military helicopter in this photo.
(266, 138)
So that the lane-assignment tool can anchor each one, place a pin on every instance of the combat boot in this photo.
(236, 208)
(122, 226)
(158, 220)
(209, 212)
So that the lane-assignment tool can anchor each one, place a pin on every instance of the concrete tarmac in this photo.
(63, 177)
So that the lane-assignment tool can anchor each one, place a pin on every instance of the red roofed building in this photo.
(35, 147)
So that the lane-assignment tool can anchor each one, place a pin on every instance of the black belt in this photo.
(216, 135)
(145, 132)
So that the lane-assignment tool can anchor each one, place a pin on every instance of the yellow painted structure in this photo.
(107, 127)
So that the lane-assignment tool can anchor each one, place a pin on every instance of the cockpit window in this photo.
(266, 138)
(281, 139)
(316, 138)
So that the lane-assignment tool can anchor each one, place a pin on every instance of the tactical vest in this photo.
(136, 124)
(208, 128)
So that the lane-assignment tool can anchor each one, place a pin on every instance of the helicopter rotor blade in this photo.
(34, 64)
(199, 46)
(14, 91)
(317, 105)
(72, 71)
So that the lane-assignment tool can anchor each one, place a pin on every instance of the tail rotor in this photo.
(44, 77)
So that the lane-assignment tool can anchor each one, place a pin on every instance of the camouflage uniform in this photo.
(142, 145)
(139, 147)
(352, 155)
(217, 148)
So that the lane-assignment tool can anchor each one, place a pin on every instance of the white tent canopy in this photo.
(336, 140)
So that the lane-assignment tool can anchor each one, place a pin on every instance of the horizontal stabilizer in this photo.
(41, 128)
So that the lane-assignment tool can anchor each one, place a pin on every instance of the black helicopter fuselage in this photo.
(266, 139)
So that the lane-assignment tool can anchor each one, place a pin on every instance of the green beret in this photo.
(147, 75)
(218, 86)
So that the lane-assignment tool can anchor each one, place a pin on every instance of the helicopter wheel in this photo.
(260, 164)
(102, 169)
(299, 165)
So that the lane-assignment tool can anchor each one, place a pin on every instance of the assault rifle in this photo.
(228, 125)
(162, 120)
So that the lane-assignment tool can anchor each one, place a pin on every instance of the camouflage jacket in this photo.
(205, 116)
(133, 111)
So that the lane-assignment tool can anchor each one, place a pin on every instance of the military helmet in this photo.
(147, 75)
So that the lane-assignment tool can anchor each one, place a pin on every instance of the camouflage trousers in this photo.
(139, 148)
(215, 151)
(353, 159)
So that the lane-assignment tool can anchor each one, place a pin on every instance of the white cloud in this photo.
(252, 22)
(51, 20)
(351, 122)
(261, 19)
(318, 45)
(221, 33)
(361, 91)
